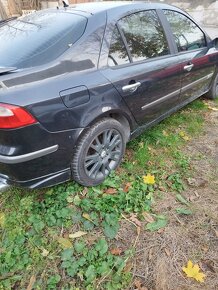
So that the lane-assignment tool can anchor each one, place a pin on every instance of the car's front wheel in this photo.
(99, 151)
(213, 92)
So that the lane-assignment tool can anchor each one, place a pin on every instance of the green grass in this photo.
(35, 225)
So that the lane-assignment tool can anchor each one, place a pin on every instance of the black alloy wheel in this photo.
(99, 152)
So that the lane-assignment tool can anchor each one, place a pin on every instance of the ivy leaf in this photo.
(90, 273)
(193, 271)
(72, 270)
(185, 211)
(103, 268)
(67, 254)
(79, 247)
(110, 231)
(53, 280)
(77, 200)
(88, 226)
(101, 247)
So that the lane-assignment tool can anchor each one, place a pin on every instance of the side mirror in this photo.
(215, 41)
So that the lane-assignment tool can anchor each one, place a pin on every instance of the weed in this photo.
(36, 226)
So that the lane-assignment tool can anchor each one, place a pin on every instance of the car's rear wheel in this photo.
(213, 92)
(99, 151)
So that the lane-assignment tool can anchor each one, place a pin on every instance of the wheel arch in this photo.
(121, 117)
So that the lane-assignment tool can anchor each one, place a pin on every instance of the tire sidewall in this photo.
(83, 148)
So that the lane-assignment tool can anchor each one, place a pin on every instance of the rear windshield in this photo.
(38, 38)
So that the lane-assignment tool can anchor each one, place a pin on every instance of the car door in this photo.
(141, 67)
(198, 65)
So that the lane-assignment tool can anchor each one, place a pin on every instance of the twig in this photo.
(128, 220)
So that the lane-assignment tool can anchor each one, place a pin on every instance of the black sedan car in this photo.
(77, 83)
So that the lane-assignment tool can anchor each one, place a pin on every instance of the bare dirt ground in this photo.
(161, 255)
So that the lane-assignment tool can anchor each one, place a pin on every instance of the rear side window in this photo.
(187, 34)
(144, 35)
(117, 54)
(39, 38)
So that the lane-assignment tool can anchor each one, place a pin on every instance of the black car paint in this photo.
(45, 92)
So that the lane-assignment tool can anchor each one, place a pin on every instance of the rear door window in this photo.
(39, 38)
(144, 35)
(118, 53)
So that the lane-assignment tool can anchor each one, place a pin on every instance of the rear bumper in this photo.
(42, 181)
(28, 156)
(33, 157)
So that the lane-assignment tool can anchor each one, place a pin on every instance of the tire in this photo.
(213, 92)
(99, 151)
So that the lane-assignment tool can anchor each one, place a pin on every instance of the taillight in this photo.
(14, 117)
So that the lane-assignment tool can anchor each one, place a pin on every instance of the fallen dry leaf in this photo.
(161, 231)
(87, 217)
(167, 251)
(192, 198)
(110, 190)
(212, 108)
(184, 136)
(128, 267)
(216, 233)
(31, 283)
(138, 285)
(45, 253)
(77, 235)
(85, 191)
(193, 271)
(196, 193)
(205, 249)
(126, 187)
(150, 254)
(65, 243)
(116, 251)
(2, 219)
(133, 218)
(148, 218)
(165, 133)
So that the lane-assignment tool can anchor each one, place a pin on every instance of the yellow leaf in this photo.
(149, 179)
(193, 271)
(2, 219)
(184, 136)
(212, 108)
(87, 217)
(77, 235)
(65, 243)
(31, 283)
(182, 133)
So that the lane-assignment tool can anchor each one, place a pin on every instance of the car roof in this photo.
(110, 6)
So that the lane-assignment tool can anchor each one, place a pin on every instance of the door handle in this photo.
(131, 88)
(188, 67)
